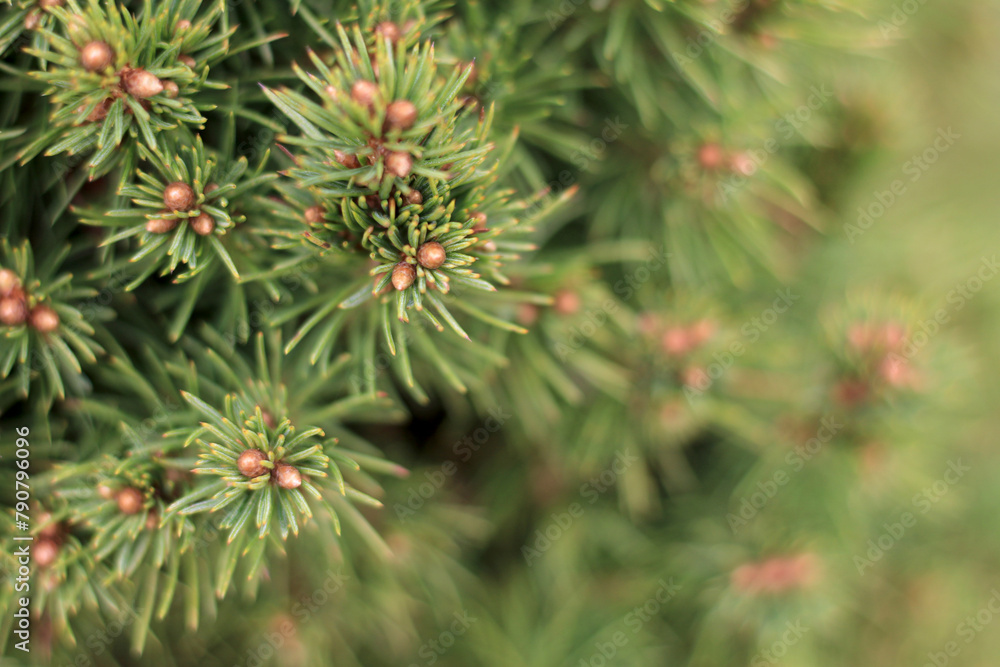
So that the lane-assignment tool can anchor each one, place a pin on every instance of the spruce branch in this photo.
(117, 78)
(396, 165)
(46, 339)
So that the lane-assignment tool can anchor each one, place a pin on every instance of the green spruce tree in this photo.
(410, 332)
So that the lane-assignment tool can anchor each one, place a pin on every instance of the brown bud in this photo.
(677, 341)
(186, 60)
(210, 188)
(389, 30)
(161, 225)
(49, 4)
(8, 281)
(249, 463)
(711, 156)
(401, 114)
(314, 215)
(32, 20)
(152, 520)
(527, 314)
(183, 24)
(479, 222)
(172, 89)
(45, 552)
(141, 84)
(364, 92)
(287, 476)
(403, 275)
(431, 255)
(179, 196)
(52, 529)
(203, 225)
(414, 197)
(13, 311)
(96, 56)
(347, 159)
(129, 500)
(105, 491)
(567, 302)
(43, 319)
(331, 92)
(399, 164)
(100, 112)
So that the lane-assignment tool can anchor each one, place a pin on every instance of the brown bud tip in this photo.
(46, 551)
(210, 188)
(399, 164)
(141, 84)
(186, 60)
(527, 314)
(100, 112)
(179, 196)
(711, 156)
(129, 500)
(152, 520)
(414, 197)
(347, 159)
(49, 4)
(677, 341)
(287, 476)
(8, 281)
(431, 255)
(161, 225)
(331, 92)
(389, 30)
(32, 20)
(364, 92)
(567, 302)
(52, 529)
(314, 215)
(43, 319)
(203, 225)
(479, 221)
(172, 89)
(401, 114)
(96, 56)
(183, 24)
(13, 311)
(105, 491)
(403, 275)
(249, 463)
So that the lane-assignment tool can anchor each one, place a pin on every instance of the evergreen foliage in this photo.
(396, 332)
